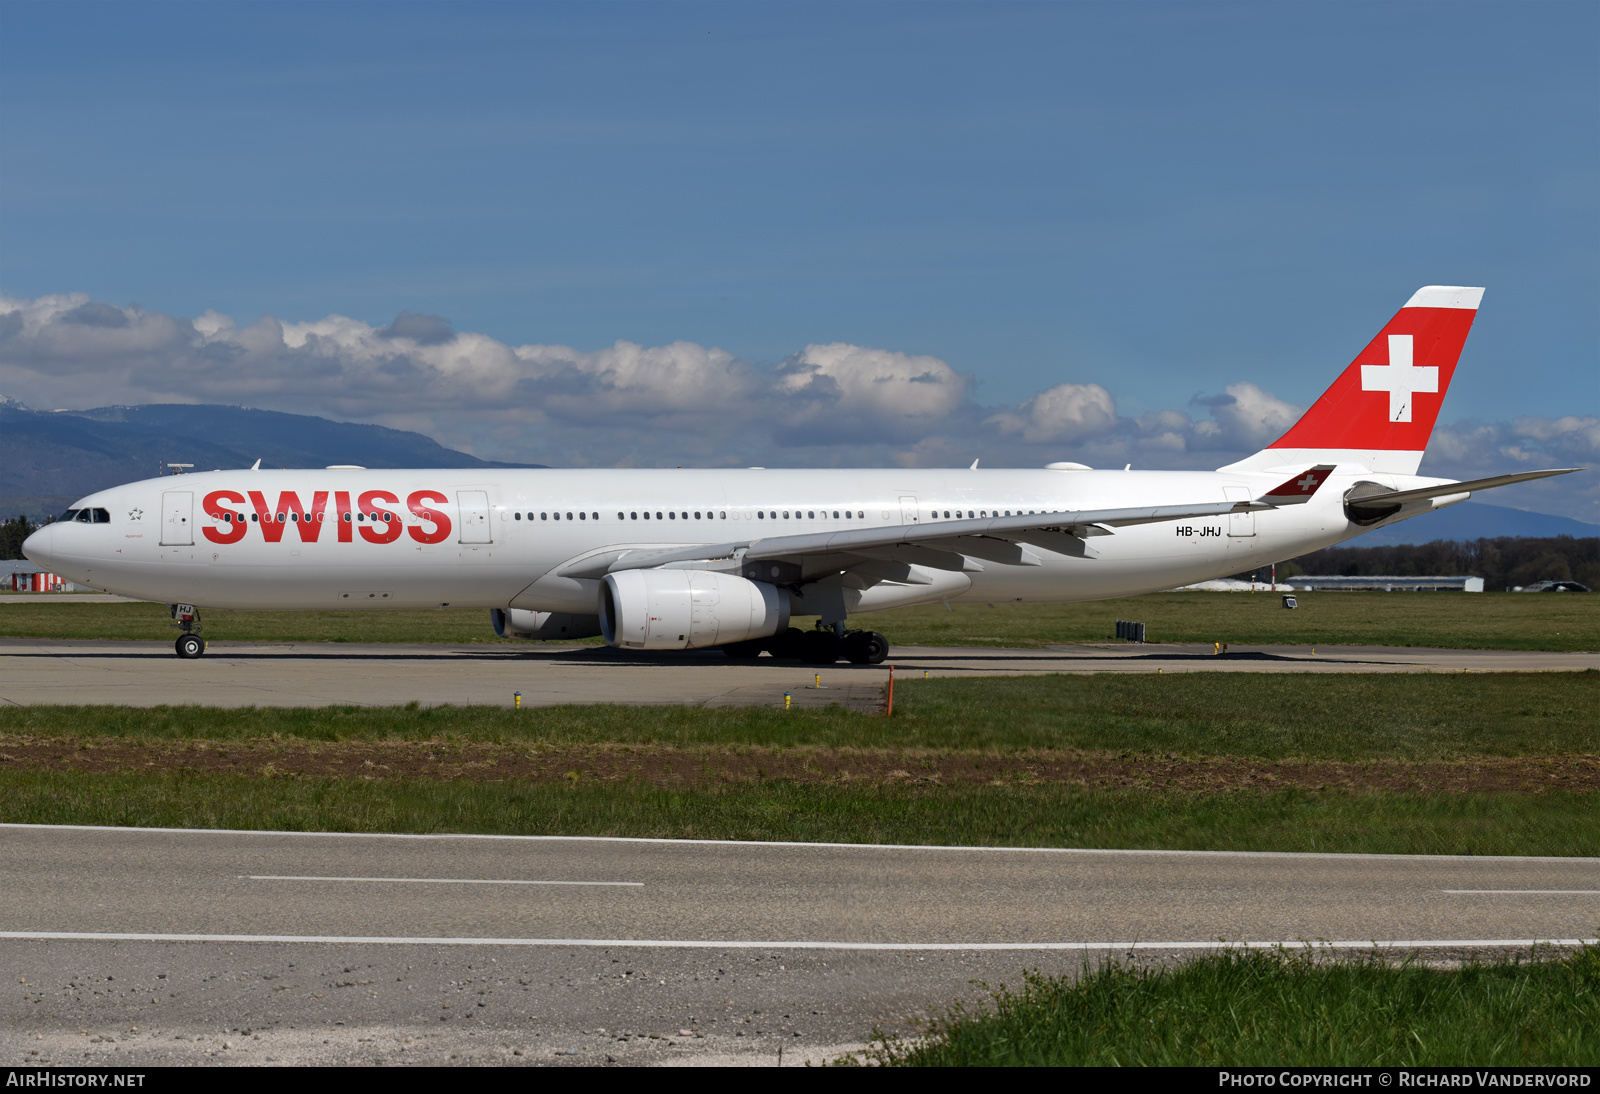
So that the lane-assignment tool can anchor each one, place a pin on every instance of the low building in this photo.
(1387, 584)
(22, 576)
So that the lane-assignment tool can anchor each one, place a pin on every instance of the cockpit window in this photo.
(70, 514)
(84, 516)
(102, 516)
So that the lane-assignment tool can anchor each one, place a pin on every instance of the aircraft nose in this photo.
(39, 548)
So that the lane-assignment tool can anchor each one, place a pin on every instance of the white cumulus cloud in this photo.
(830, 404)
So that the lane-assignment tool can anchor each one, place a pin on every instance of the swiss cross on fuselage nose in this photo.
(1400, 378)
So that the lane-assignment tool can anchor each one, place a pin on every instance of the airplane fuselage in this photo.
(361, 539)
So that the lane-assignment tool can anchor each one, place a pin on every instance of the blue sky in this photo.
(1162, 200)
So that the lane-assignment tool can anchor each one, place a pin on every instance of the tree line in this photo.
(1502, 562)
(13, 531)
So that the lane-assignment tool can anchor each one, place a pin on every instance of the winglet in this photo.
(1298, 490)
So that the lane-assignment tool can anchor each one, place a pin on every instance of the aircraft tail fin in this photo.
(1380, 412)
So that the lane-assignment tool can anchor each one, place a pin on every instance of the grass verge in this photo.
(1262, 1009)
(1257, 715)
(1559, 823)
(1513, 621)
(1456, 620)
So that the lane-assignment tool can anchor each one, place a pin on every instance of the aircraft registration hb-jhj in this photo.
(686, 559)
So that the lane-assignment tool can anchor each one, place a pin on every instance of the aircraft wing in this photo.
(982, 538)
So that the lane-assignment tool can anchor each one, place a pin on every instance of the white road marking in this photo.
(744, 944)
(438, 880)
(1545, 892)
(670, 842)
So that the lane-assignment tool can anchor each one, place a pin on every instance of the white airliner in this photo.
(685, 559)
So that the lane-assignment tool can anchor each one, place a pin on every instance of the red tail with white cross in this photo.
(1380, 412)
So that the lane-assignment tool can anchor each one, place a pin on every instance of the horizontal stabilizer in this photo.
(1386, 503)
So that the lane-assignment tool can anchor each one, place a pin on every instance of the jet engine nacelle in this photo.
(687, 609)
(519, 623)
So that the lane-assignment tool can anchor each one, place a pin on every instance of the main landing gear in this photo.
(822, 646)
(189, 644)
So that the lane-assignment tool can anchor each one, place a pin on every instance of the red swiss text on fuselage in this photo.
(232, 530)
(441, 523)
(341, 501)
(289, 510)
(384, 526)
(376, 513)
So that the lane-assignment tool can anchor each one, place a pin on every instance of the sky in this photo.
(813, 234)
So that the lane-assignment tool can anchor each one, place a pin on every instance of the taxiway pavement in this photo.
(317, 674)
(149, 946)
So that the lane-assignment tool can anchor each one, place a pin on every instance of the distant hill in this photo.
(48, 459)
(1475, 520)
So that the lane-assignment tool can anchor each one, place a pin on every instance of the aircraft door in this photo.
(177, 518)
(908, 510)
(474, 506)
(1240, 524)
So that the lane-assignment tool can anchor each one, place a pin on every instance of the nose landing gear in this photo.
(189, 644)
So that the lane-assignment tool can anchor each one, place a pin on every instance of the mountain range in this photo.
(48, 459)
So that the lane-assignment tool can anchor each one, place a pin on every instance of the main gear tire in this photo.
(786, 643)
(189, 646)
(745, 651)
(820, 648)
(866, 648)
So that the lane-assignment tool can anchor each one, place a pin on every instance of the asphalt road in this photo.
(328, 948)
(314, 674)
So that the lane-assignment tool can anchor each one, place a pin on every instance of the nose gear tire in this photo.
(189, 646)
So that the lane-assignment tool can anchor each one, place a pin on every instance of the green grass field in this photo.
(1135, 724)
(1257, 715)
(1521, 621)
(1273, 1009)
(1458, 620)
(1552, 823)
